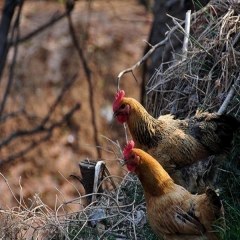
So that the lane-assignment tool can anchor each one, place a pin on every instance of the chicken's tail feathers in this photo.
(218, 208)
(230, 120)
(222, 119)
(216, 202)
(227, 126)
(223, 128)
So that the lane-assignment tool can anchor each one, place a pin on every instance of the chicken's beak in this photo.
(124, 162)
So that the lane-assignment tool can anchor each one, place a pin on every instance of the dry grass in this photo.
(115, 213)
(118, 213)
(211, 69)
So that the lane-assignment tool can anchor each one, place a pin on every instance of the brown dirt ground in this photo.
(111, 33)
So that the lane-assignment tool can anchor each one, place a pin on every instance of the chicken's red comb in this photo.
(118, 97)
(128, 148)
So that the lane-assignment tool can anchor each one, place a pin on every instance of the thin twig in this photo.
(55, 18)
(186, 34)
(236, 39)
(49, 131)
(41, 127)
(142, 60)
(67, 85)
(154, 48)
(229, 97)
(12, 115)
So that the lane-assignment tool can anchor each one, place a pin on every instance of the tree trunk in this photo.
(7, 15)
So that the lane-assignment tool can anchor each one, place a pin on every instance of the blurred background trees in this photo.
(59, 62)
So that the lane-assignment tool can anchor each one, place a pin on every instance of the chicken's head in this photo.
(131, 158)
(120, 108)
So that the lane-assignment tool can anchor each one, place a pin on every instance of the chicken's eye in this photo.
(132, 156)
(123, 106)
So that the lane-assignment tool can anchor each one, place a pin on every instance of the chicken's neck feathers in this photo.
(145, 129)
(154, 179)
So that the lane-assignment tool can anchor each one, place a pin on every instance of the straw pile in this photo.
(208, 72)
(116, 214)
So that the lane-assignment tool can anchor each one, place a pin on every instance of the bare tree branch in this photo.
(64, 89)
(35, 143)
(88, 73)
(147, 54)
(186, 34)
(10, 115)
(42, 126)
(229, 97)
(55, 18)
(43, 129)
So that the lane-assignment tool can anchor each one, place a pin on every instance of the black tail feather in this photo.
(214, 131)
(214, 198)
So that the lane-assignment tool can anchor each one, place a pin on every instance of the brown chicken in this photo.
(173, 212)
(178, 144)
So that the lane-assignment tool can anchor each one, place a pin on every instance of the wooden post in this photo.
(92, 175)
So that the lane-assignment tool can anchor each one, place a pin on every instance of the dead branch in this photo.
(229, 97)
(55, 18)
(147, 55)
(44, 127)
(141, 61)
(48, 130)
(68, 84)
(186, 34)
(10, 115)
(154, 48)
(88, 74)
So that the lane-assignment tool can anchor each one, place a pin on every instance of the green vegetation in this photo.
(230, 185)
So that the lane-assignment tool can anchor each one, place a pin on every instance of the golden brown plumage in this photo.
(172, 211)
(177, 144)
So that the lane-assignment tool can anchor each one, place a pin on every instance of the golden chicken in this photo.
(178, 144)
(173, 212)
